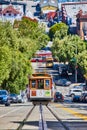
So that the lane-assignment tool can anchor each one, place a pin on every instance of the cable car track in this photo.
(25, 119)
(43, 117)
(41, 121)
(58, 119)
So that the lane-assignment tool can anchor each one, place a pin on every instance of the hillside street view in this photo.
(43, 65)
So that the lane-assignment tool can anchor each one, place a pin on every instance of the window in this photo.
(77, 91)
(47, 83)
(3, 93)
(33, 83)
(40, 84)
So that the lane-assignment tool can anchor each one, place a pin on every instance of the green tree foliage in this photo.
(17, 46)
(5, 62)
(34, 31)
(27, 27)
(58, 30)
(20, 70)
(72, 49)
(14, 58)
(66, 48)
(82, 60)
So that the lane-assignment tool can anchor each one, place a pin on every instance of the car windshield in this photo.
(13, 95)
(57, 94)
(3, 93)
(63, 80)
(82, 84)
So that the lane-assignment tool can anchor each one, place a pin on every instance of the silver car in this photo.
(62, 82)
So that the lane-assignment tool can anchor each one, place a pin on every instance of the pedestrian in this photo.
(22, 95)
(27, 92)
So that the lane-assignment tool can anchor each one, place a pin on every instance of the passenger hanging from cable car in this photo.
(40, 84)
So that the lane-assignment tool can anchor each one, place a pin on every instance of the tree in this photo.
(58, 30)
(19, 46)
(33, 30)
(14, 60)
(82, 60)
(65, 49)
(5, 62)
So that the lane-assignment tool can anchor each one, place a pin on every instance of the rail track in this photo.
(43, 118)
(25, 119)
(58, 119)
(41, 122)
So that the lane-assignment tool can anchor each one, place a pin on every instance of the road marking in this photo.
(9, 112)
(77, 114)
(82, 116)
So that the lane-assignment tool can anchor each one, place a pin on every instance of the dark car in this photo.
(83, 97)
(62, 82)
(64, 73)
(62, 69)
(13, 98)
(75, 98)
(4, 97)
(58, 97)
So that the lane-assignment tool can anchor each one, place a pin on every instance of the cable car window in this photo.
(40, 84)
(47, 83)
(33, 83)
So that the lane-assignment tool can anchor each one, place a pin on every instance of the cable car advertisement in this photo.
(47, 93)
(40, 93)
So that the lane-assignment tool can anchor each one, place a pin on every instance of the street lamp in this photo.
(75, 62)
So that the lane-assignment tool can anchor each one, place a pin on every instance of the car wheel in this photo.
(72, 95)
(7, 104)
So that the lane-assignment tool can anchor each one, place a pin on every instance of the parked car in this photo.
(75, 98)
(4, 97)
(20, 99)
(64, 73)
(75, 91)
(13, 98)
(62, 69)
(77, 87)
(83, 97)
(80, 86)
(58, 97)
(62, 82)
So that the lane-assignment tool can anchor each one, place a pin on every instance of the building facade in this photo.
(82, 25)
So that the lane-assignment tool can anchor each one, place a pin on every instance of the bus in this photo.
(41, 88)
(49, 62)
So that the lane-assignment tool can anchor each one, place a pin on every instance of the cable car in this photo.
(41, 88)
(49, 62)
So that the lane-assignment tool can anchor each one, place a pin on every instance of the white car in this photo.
(62, 82)
(75, 91)
(80, 86)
